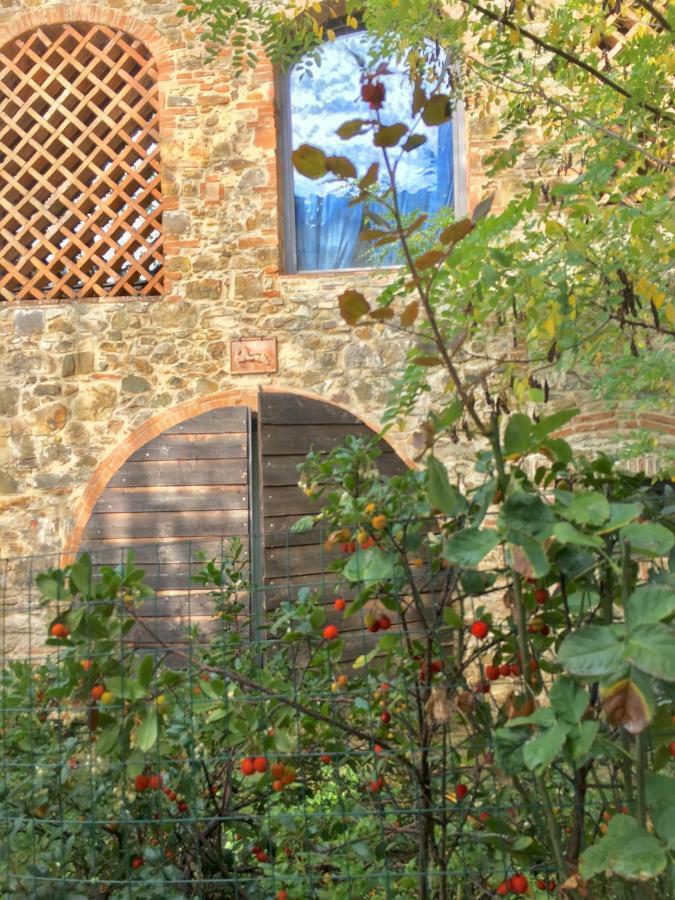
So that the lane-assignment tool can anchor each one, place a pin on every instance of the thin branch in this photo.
(660, 18)
(568, 57)
(575, 114)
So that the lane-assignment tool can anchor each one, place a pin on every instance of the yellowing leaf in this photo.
(437, 110)
(340, 165)
(370, 177)
(389, 135)
(309, 161)
(429, 259)
(414, 141)
(380, 315)
(409, 314)
(426, 361)
(650, 292)
(353, 305)
(456, 231)
(349, 129)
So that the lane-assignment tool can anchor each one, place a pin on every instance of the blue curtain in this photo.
(327, 227)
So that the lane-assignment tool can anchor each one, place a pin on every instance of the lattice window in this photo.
(80, 202)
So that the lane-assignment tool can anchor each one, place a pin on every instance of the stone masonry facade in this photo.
(85, 383)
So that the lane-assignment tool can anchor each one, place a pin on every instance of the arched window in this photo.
(80, 203)
(323, 228)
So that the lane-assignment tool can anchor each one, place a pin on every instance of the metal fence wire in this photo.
(177, 725)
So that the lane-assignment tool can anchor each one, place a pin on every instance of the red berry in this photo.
(518, 884)
(261, 856)
(97, 691)
(541, 596)
(503, 888)
(505, 669)
(385, 716)
(142, 782)
(326, 759)
(534, 665)
(277, 785)
(377, 749)
(515, 669)
(349, 547)
(671, 747)
(541, 884)
(461, 790)
(277, 769)
(247, 766)
(330, 632)
(260, 764)
(551, 885)
(59, 630)
(479, 629)
(436, 665)
(182, 807)
(384, 622)
(492, 672)
(136, 862)
(339, 604)
(282, 895)
(545, 631)
(374, 626)
(156, 781)
(483, 687)
(374, 786)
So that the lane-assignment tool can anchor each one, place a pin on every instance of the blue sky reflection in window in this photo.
(327, 228)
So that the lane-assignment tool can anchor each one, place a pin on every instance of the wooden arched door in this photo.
(230, 472)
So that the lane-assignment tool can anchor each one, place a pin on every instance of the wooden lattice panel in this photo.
(80, 201)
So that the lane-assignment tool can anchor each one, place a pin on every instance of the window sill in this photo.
(335, 273)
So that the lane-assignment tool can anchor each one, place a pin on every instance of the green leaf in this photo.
(540, 751)
(389, 135)
(81, 579)
(661, 803)
(627, 850)
(554, 422)
(508, 743)
(587, 509)
(582, 740)
(565, 533)
(621, 514)
(593, 651)
(518, 435)
(452, 619)
(370, 566)
(306, 523)
(51, 585)
(309, 161)
(649, 539)
(569, 699)
(470, 546)
(650, 603)
(146, 669)
(437, 110)
(442, 495)
(146, 733)
(353, 306)
(651, 648)
(107, 739)
(126, 688)
(629, 702)
(536, 561)
(527, 513)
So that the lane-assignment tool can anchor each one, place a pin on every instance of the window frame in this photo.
(286, 174)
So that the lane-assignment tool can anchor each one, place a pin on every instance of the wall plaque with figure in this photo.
(253, 356)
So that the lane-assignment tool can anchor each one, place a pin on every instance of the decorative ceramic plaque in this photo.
(253, 356)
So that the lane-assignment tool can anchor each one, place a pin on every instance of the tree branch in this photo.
(660, 18)
(568, 57)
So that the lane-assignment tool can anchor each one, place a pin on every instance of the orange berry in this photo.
(342, 680)
(247, 767)
(277, 769)
(277, 785)
(379, 522)
(340, 604)
(59, 630)
(86, 664)
(156, 781)
(326, 759)
(137, 862)
(260, 764)
(97, 691)
(330, 632)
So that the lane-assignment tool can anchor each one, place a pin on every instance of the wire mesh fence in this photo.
(175, 725)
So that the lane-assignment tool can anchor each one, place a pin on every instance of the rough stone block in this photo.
(80, 363)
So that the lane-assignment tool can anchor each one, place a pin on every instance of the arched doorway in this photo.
(230, 472)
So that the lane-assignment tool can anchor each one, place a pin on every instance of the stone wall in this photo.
(77, 379)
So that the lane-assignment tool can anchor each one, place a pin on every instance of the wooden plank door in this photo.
(289, 426)
(182, 492)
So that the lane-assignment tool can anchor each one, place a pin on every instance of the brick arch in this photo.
(154, 426)
(97, 14)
